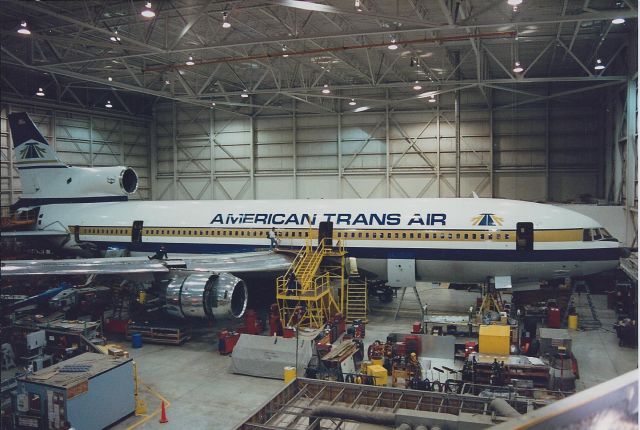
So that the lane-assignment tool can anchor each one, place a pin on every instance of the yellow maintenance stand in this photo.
(312, 290)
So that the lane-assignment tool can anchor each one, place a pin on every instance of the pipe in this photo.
(276, 54)
(403, 426)
(503, 408)
(358, 415)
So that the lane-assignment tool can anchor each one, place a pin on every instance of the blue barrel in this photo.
(136, 340)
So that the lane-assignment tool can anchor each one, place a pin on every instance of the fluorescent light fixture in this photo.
(599, 65)
(225, 23)
(352, 102)
(147, 12)
(244, 94)
(432, 99)
(108, 105)
(109, 79)
(24, 29)
(190, 61)
(617, 21)
(361, 109)
(417, 86)
(517, 68)
(115, 37)
(40, 92)
(514, 2)
(393, 45)
(325, 89)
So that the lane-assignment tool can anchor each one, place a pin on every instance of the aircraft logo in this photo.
(32, 149)
(487, 220)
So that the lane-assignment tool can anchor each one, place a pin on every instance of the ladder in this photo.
(356, 303)
(587, 323)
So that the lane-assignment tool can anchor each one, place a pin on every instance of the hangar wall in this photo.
(547, 151)
(81, 140)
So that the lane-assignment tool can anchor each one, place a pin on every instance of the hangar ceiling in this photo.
(276, 51)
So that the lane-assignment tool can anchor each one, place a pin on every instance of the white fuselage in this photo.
(455, 240)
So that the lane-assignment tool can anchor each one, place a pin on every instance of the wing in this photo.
(248, 262)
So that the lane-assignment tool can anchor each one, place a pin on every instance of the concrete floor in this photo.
(195, 380)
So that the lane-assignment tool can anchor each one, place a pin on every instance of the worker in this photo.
(291, 283)
(273, 238)
(161, 254)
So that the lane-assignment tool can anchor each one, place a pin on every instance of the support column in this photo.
(340, 192)
(90, 141)
(175, 149)
(438, 179)
(491, 144)
(252, 153)
(10, 157)
(547, 143)
(153, 154)
(295, 149)
(456, 60)
(212, 150)
(387, 140)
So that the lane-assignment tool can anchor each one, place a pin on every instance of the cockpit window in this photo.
(589, 234)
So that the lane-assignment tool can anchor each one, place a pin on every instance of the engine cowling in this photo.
(206, 295)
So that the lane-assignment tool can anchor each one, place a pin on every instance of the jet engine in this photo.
(205, 295)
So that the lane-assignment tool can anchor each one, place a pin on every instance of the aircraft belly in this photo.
(478, 271)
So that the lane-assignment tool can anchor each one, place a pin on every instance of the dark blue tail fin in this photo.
(30, 148)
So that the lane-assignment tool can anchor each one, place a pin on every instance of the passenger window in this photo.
(466, 236)
(388, 235)
(353, 235)
(457, 235)
(404, 235)
(410, 235)
(396, 235)
(506, 237)
(450, 236)
(359, 234)
(490, 236)
(441, 235)
(306, 234)
(473, 236)
(366, 235)
(375, 235)
(498, 236)
(426, 235)
(482, 236)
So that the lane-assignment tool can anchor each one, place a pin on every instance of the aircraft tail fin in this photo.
(31, 149)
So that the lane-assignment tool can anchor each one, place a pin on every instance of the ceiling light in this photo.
(514, 2)
(167, 82)
(599, 65)
(357, 5)
(325, 89)
(109, 79)
(108, 104)
(284, 49)
(417, 86)
(352, 102)
(147, 12)
(617, 21)
(190, 61)
(40, 92)
(361, 109)
(24, 29)
(393, 45)
(115, 37)
(213, 103)
(517, 68)
(225, 23)
(432, 99)
(244, 94)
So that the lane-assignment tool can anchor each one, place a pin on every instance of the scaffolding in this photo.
(312, 290)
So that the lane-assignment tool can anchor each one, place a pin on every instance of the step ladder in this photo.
(586, 322)
(356, 303)
(311, 291)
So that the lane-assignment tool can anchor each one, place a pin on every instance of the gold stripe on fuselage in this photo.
(501, 236)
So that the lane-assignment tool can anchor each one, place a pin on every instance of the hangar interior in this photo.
(532, 100)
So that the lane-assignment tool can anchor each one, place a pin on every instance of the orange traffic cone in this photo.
(163, 415)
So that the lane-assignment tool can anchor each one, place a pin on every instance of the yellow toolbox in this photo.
(494, 339)
(379, 373)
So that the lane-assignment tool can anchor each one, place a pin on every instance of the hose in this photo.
(503, 408)
(358, 415)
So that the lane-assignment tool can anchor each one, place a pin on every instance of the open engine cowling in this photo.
(206, 295)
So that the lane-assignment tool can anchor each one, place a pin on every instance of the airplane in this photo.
(460, 240)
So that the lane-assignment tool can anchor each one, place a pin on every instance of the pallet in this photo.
(159, 334)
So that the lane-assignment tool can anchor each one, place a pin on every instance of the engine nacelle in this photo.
(85, 182)
(206, 295)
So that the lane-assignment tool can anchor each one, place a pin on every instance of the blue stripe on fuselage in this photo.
(601, 254)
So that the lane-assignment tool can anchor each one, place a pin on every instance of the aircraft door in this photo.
(136, 232)
(76, 233)
(325, 233)
(524, 236)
